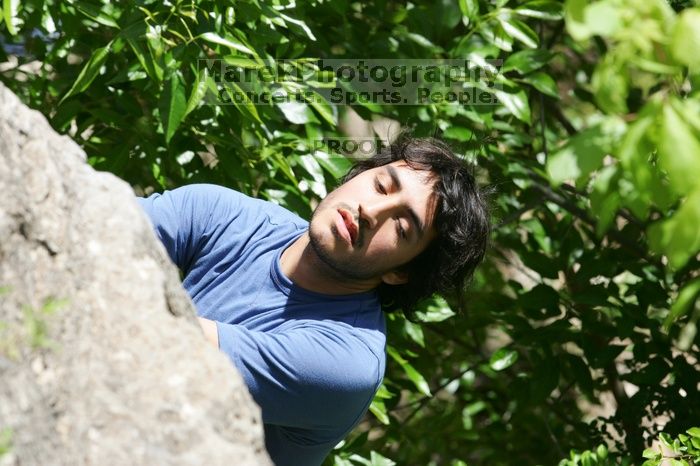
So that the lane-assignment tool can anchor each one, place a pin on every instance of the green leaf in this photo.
(434, 310)
(199, 90)
(610, 86)
(144, 57)
(412, 374)
(10, 9)
(96, 13)
(526, 60)
(300, 25)
(666, 440)
(541, 9)
(520, 31)
(334, 164)
(360, 460)
(415, 332)
(543, 83)
(321, 105)
(338, 461)
(378, 460)
(685, 38)
(601, 452)
(295, 112)
(243, 62)
(603, 18)
(583, 154)
(379, 410)
(281, 163)
(651, 453)
(694, 432)
(172, 105)
(575, 18)
(516, 103)
(584, 19)
(235, 93)
(686, 298)
(458, 133)
(470, 9)
(227, 41)
(89, 72)
(497, 36)
(503, 359)
(679, 151)
(634, 149)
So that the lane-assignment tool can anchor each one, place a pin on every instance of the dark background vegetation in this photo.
(580, 328)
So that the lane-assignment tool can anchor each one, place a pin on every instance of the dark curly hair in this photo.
(462, 222)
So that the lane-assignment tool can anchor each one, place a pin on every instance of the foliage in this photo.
(681, 451)
(598, 457)
(581, 327)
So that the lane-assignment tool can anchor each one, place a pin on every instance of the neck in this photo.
(301, 264)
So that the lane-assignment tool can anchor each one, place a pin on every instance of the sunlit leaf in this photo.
(543, 83)
(503, 359)
(9, 10)
(435, 310)
(679, 236)
(527, 60)
(228, 41)
(199, 90)
(679, 151)
(96, 13)
(379, 410)
(172, 105)
(378, 460)
(685, 38)
(516, 103)
(144, 57)
(321, 105)
(541, 9)
(686, 298)
(413, 375)
(89, 71)
(584, 152)
(469, 9)
(520, 31)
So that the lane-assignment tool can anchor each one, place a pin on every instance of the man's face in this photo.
(376, 222)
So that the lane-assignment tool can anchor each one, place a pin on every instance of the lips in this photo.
(350, 225)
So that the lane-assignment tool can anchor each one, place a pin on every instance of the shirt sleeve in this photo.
(321, 376)
(182, 218)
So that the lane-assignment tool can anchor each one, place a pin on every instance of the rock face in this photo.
(102, 361)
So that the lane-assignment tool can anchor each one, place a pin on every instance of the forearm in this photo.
(210, 331)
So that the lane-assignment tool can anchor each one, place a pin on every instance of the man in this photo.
(298, 307)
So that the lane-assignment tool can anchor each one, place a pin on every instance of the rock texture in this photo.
(102, 361)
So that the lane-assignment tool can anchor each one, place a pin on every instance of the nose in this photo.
(373, 213)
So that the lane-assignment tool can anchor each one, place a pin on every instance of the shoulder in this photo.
(220, 199)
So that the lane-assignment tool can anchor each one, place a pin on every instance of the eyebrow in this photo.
(394, 175)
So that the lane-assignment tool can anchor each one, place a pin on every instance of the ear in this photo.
(395, 277)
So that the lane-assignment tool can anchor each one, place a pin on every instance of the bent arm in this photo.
(209, 330)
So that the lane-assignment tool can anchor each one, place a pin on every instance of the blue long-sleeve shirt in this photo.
(311, 361)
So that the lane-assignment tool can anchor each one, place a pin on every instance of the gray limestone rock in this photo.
(102, 361)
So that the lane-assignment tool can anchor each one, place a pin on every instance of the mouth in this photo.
(350, 225)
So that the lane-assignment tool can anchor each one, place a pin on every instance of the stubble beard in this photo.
(341, 268)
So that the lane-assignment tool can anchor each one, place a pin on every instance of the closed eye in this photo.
(379, 186)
